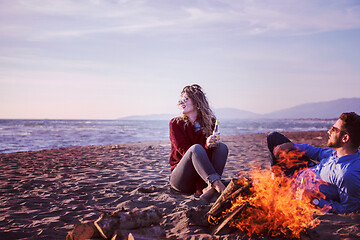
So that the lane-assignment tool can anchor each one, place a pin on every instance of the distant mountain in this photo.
(233, 113)
(150, 117)
(322, 110)
(221, 113)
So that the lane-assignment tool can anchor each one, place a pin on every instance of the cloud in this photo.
(41, 19)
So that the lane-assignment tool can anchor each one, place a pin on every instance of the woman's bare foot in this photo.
(208, 193)
(218, 186)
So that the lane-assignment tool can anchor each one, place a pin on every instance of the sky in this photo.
(106, 59)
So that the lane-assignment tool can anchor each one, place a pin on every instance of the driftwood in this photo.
(146, 234)
(83, 231)
(118, 224)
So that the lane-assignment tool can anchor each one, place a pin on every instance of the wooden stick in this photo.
(244, 191)
(230, 188)
(224, 201)
(228, 218)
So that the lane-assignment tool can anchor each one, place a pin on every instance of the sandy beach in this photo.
(45, 193)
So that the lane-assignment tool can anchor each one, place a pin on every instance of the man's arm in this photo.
(315, 153)
(349, 196)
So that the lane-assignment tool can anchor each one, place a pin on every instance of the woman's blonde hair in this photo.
(205, 116)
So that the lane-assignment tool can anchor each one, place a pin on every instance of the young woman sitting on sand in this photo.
(197, 157)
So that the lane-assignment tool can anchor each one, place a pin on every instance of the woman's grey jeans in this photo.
(196, 162)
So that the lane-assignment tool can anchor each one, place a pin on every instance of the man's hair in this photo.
(352, 127)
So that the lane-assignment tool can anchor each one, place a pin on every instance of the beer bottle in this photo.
(216, 132)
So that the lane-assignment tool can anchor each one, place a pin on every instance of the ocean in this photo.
(33, 135)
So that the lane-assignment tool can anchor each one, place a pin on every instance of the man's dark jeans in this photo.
(274, 139)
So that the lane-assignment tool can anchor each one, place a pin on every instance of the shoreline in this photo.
(45, 193)
(156, 142)
(22, 135)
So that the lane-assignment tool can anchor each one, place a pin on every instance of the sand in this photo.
(45, 193)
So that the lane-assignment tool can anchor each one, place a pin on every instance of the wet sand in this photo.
(45, 193)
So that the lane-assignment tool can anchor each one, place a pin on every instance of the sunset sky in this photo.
(105, 59)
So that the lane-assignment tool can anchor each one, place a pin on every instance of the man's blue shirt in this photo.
(342, 175)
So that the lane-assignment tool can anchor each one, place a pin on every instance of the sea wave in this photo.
(31, 135)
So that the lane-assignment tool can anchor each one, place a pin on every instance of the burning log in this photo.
(235, 188)
(228, 218)
(264, 206)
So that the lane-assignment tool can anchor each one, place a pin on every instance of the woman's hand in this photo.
(212, 141)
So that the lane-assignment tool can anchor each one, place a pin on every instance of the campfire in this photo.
(266, 203)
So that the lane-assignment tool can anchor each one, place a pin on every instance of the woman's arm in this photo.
(178, 138)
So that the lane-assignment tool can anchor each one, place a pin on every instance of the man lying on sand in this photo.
(338, 167)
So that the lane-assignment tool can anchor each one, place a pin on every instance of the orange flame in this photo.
(277, 205)
(290, 159)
